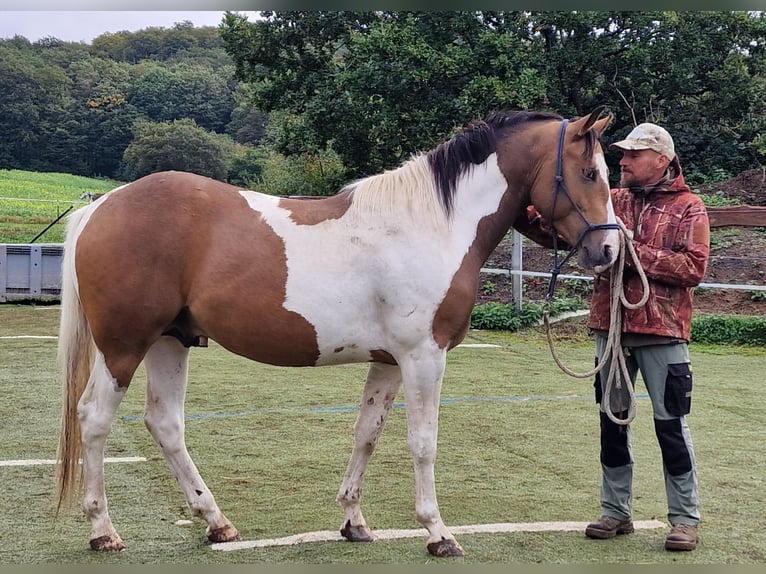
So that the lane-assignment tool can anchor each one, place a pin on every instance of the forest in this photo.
(301, 102)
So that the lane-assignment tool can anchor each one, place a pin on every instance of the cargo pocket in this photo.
(678, 389)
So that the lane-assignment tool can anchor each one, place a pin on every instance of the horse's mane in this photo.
(427, 182)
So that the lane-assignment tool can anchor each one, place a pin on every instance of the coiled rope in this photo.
(613, 349)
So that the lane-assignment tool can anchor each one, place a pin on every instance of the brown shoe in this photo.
(682, 537)
(608, 527)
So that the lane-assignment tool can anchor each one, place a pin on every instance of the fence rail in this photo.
(33, 271)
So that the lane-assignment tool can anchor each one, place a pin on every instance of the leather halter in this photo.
(561, 187)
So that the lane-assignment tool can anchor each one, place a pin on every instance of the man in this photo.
(671, 237)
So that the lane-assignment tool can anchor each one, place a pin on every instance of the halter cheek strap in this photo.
(561, 187)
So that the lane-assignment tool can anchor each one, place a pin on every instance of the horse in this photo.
(384, 272)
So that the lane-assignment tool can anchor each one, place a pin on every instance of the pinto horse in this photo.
(385, 272)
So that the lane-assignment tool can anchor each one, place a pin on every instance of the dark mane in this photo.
(472, 146)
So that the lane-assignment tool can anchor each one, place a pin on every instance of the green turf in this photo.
(518, 443)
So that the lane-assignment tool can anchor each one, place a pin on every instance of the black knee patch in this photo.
(675, 454)
(614, 441)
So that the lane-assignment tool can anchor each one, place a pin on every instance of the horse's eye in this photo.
(590, 174)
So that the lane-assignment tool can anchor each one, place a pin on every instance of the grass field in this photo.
(30, 201)
(518, 443)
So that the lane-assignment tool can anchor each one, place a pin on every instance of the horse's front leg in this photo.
(383, 382)
(422, 377)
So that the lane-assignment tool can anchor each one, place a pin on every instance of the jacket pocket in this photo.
(678, 389)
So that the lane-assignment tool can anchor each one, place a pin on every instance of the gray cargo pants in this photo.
(665, 370)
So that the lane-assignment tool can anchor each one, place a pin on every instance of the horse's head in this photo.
(570, 189)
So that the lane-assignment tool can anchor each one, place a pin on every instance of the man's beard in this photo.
(626, 179)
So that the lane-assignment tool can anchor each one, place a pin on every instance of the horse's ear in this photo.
(591, 121)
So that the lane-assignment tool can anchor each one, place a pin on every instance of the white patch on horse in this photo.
(389, 266)
(612, 236)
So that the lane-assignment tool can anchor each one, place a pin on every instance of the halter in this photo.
(561, 187)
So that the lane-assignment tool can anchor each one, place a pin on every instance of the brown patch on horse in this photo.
(380, 356)
(137, 228)
(314, 210)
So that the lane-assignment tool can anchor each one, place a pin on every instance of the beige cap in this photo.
(648, 136)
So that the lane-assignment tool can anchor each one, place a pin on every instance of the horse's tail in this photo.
(75, 359)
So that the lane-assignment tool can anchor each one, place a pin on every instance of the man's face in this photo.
(642, 167)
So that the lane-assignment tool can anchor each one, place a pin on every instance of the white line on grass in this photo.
(28, 337)
(334, 535)
(37, 462)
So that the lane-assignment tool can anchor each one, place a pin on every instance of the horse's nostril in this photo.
(608, 252)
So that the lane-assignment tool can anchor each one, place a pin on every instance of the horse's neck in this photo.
(493, 229)
(495, 207)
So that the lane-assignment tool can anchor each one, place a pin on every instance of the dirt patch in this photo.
(737, 257)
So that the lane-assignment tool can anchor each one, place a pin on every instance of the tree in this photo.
(103, 113)
(248, 124)
(379, 86)
(36, 126)
(178, 145)
(157, 43)
(700, 74)
(185, 91)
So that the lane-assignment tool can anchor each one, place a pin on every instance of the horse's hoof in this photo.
(107, 543)
(225, 533)
(360, 533)
(445, 548)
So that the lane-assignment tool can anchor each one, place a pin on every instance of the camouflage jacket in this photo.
(671, 236)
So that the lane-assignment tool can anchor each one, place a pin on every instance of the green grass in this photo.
(276, 461)
(29, 201)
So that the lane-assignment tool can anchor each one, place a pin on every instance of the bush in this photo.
(710, 329)
(729, 329)
(505, 317)
(178, 145)
(266, 170)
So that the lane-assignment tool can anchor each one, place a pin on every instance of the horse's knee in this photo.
(167, 428)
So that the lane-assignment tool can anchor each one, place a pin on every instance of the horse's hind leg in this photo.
(96, 409)
(380, 390)
(167, 368)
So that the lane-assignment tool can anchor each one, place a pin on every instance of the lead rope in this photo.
(613, 349)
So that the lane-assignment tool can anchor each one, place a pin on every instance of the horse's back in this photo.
(180, 253)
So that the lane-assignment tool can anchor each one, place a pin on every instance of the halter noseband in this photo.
(561, 187)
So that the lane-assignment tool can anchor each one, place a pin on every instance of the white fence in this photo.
(32, 271)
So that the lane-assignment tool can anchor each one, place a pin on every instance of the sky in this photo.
(83, 26)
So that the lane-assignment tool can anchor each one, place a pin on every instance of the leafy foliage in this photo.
(198, 93)
(506, 317)
(371, 88)
(378, 86)
(729, 329)
(264, 169)
(179, 145)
